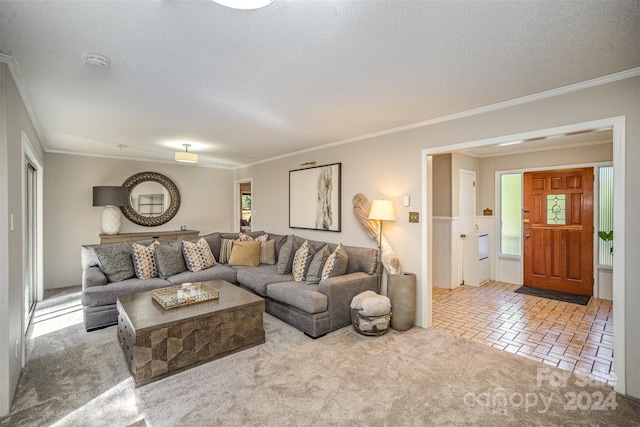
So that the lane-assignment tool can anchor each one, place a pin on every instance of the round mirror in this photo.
(153, 199)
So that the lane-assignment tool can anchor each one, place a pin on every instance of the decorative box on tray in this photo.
(185, 294)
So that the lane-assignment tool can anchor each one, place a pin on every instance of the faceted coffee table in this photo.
(159, 342)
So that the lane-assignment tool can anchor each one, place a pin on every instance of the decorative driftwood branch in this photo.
(361, 208)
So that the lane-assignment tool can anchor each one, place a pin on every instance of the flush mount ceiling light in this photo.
(244, 4)
(98, 61)
(186, 157)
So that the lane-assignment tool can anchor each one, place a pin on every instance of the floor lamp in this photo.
(381, 210)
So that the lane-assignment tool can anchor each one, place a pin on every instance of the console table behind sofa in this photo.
(163, 236)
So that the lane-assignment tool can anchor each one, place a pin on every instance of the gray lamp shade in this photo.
(110, 196)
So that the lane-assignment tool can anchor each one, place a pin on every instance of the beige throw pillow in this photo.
(268, 252)
(245, 253)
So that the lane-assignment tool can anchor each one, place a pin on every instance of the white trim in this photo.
(139, 159)
(5, 346)
(618, 124)
(28, 151)
(619, 216)
(634, 72)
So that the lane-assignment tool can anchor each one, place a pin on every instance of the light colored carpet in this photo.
(419, 377)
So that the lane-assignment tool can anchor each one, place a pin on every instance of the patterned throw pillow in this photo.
(169, 259)
(144, 260)
(246, 238)
(268, 252)
(225, 250)
(314, 273)
(336, 264)
(301, 261)
(198, 255)
(116, 261)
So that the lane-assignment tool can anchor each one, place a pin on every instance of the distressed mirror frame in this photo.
(133, 216)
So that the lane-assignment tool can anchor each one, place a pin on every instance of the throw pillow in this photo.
(301, 261)
(285, 257)
(245, 253)
(336, 264)
(198, 255)
(268, 252)
(225, 250)
(169, 259)
(246, 238)
(144, 261)
(116, 261)
(314, 273)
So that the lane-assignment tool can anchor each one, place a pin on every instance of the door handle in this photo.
(526, 235)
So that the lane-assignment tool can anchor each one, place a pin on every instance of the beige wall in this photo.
(390, 166)
(14, 120)
(442, 190)
(71, 220)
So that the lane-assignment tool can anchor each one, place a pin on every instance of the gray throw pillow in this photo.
(116, 261)
(285, 257)
(314, 273)
(169, 259)
(336, 264)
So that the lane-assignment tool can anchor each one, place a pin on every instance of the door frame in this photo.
(237, 195)
(29, 153)
(618, 124)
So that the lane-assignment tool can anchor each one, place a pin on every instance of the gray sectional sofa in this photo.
(315, 309)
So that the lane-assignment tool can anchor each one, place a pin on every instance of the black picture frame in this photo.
(315, 198)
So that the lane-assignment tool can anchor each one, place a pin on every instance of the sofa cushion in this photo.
(336, 264)
(268, 252)
(314, 273)
(96, 296)
(116, 261)
(169, 259)
(285, 257)
(144, 260)
(198, 255)
(245, 253)
(213, 239)
(258, 278)
(299, 295)
(301, 261)
(218, 271)
(226, 245)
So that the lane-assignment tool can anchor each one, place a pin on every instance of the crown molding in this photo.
(611, 78)
(14, 70)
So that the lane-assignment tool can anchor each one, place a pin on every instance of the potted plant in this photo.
(606, 236)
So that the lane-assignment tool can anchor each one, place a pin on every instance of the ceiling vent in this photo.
(98, 61)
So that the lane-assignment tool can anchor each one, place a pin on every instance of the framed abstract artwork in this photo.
(314, 198)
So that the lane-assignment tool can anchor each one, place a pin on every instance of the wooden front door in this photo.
(558, 230)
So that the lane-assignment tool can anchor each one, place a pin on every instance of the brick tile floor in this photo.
(569, 336)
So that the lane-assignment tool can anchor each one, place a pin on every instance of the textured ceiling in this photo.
(244, 86)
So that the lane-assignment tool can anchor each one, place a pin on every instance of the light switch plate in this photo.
(414, 217)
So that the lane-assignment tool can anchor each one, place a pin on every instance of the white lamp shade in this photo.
(382, 210)
(244, 4)
(183, 156)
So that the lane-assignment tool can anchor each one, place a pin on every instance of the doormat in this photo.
(555, 295)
